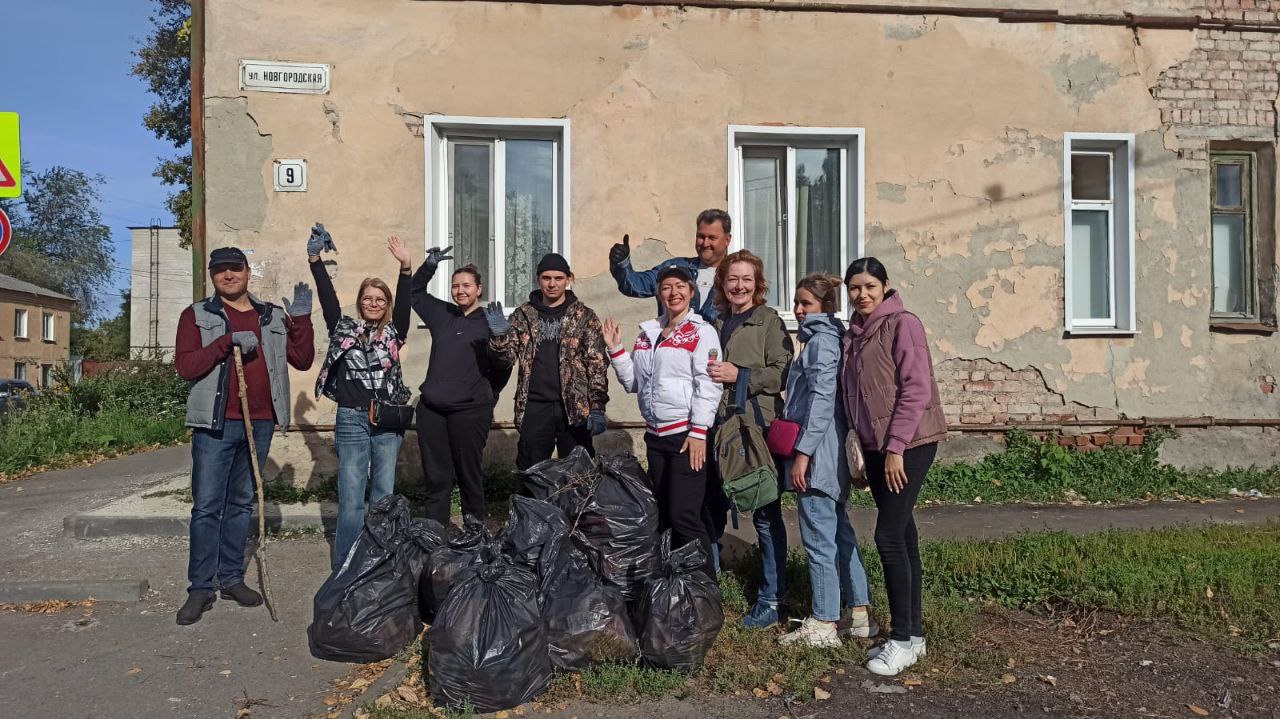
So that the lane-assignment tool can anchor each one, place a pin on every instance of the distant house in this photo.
(160, 287)
(35, 331)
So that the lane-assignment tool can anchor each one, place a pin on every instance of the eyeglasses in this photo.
(375, 301)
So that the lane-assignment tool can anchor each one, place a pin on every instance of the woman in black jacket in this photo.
(362, 364)
(462, 385)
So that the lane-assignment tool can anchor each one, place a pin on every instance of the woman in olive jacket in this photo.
(757, 351)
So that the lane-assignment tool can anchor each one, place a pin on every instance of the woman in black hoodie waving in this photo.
(462, 385)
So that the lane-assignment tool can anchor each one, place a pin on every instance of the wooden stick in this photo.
(259, 552)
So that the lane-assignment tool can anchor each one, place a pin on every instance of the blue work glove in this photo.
(498, 322)
(596, 422)
(320, 240)
(435, 256)
(246, 341)
(301, 305)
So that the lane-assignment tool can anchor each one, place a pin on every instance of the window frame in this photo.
(1248, 209)
(48, 328)
(21, 324)
(20, 370)
(46, 376)
(1121, 227)
(851, 141)
(441, 132)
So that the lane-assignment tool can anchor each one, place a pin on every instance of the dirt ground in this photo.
(1058, 665)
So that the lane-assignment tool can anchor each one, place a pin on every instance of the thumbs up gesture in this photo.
(621, 251)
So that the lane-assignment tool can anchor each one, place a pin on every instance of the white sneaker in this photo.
(892, 659)
(858, 624)
(813, 633)
(918, 645)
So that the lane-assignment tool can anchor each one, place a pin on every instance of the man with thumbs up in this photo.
(712, 244)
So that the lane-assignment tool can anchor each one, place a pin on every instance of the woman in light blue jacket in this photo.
(819, 473)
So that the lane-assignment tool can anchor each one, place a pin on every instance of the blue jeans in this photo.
(366, 465)
(835, 564)
(222, 490)
(771, 537)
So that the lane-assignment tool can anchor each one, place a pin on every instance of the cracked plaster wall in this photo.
(964, 123)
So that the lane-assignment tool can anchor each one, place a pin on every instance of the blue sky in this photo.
(68, 76)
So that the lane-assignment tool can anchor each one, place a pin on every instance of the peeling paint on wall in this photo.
(1018, 300)
(236, 190)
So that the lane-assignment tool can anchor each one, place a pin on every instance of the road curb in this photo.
(113, 590)
(98, 526)
(392, 677)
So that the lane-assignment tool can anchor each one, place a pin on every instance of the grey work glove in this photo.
(301, 305)
(320, 240)
(596, 422)
(435, 256)
(498, 322)
(246, 341)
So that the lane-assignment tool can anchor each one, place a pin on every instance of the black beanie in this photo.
(553, 262)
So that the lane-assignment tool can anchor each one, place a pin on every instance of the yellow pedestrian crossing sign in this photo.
(10, 156)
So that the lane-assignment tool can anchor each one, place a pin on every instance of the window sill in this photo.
(1099, 332)
(21, 339)
(1256, 328)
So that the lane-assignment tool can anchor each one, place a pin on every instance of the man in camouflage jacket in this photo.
(557, 345)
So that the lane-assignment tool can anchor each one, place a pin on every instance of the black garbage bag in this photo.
(587, 620)
(447, 562)
(367, 610)
(620, 519)
(537, 536)
(488, 646)
(558, 480)
(681, 609)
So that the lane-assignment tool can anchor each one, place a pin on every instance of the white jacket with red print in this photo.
(670, 376)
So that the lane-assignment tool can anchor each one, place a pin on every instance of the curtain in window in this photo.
(530, 213)
(1229, 254)
(1090, 264)
(471, 191)
(762, 215)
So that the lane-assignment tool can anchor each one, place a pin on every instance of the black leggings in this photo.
(680, 490)
(896, 537)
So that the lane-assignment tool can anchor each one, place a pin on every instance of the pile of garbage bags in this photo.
(579, 575)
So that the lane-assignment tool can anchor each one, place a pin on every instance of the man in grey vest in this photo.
(270, 339)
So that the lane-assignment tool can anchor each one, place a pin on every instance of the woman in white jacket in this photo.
(667, 369)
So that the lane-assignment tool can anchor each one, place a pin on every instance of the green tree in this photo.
(59, 240)
(164, 63)
(107, 342)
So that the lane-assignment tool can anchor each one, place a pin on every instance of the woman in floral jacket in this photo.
(361, 364)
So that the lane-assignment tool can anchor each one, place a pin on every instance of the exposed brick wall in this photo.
(1228, 89)
(982, 392)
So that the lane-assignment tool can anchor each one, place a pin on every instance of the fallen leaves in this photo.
(760, 693)
(912, 682)
(1008, 678)
(1048, 679)
(134, 671)
(411, 696)
(52, 606)
(821, 694)
(773, 688)
(1198, 710)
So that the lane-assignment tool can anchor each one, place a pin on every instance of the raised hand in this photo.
(497, 319)
(302, 298)
(397, 249)
(612, 333)
(320, 240)
(621, 251)
(435, 256)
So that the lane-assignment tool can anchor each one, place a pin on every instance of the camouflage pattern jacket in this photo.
(584, 360)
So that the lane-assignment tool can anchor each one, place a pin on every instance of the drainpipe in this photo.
(198, 250)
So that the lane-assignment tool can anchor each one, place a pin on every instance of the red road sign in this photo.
(6, 232)
(6, 177)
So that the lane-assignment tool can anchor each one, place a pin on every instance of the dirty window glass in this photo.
(817, 191)
(1227, 183)
(1091, 177)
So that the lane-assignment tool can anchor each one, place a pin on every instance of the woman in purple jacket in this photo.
(891, 400)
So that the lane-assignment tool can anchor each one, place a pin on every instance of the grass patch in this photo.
(1035, 470)
(133, 407)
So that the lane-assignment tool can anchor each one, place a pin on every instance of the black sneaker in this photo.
(242, 594)
(198, 602)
